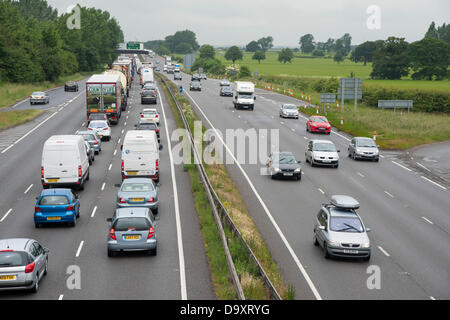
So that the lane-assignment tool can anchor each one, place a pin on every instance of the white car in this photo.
(149, 115)
(165, 68)
(102, 128)
(322, 152)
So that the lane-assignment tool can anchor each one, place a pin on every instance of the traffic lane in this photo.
(434, 157)
(282, 201)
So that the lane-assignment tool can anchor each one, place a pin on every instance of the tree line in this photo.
(182, 42)
(37, 45)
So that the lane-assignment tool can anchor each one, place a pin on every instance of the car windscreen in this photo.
(329, 147)
(289, 107)
(227, 89)
(131, 223)
(13, 259)
(148, 93)
(98, 124)
(53, 200)
(319, 119)
(97, 116)
(88, 137)
(147, 126)
(136, 187)
(245, 96)
(366, 143)
(346, 224)
(37, 93)
(286, 159)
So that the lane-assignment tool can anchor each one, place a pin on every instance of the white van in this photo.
(64, 162)
(140, 155)
(244, 96)
(147, 76)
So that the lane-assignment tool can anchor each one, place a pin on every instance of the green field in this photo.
(9, 119)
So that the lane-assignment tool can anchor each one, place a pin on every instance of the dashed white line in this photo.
(94, 211)
(432, 298)
(103, 186)
(421, 165)
(60, 108)
(125, 124)
(381, 156)
(110, 166)
(61, 296)
(6, 214)
(390, 195)
(28, 189)
(115, 152)
(435, 183)
(401, 166)
(79, 249)
(360, 174)
(83, 124)
(321, 191)
(384, 251)
(430, 222)
(123, 130)
(118, 140)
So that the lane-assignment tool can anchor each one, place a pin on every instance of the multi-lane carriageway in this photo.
(408, 213)
(179, 271)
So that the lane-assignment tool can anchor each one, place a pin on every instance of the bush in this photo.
(244, 72)
(209, 65)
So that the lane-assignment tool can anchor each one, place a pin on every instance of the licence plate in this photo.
(52, 180)
(288, 174)
(132, 172)
(109, 110)
(132, 237)
(137, 199)
(326, 161)
(351, 251)
(53, 218)
(7, 277)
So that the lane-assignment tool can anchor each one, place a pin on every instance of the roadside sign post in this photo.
(395, 104)
(350, 88)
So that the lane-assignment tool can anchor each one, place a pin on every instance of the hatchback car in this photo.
(289, 111)
(71, 86)
(149, 115)
(177, 76)
(93, 139)
(97, 116)
(102, 128)
(226, 91)
(322, 152)
(195, 86)
(284, 165)
(132, 229)
(339, 230)
(89, 152)
(23, 264)
(225, 82)
(138, 192)
(363, 148)
(318, 124)
(39, 97)
(148, 95)
(149, 126)
(56, 206)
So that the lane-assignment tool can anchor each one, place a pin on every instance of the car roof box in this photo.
(344, 202)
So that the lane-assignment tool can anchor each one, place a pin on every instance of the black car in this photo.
(226, 91)
(71, 86)
(195, 77)
(284, 165)
(195, 86)
(148, 126)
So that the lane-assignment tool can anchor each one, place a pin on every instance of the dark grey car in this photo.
(284, 165)
(226, 91)
(23, 264)
(363, 148)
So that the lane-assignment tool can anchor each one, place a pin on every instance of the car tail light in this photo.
(42, 97)
(156, 130)
(142, 115)
(95, 142)
(79, 171)
(30, 267)
(151, 233)
(31, 97)
(157, 164)
(121, 200)
(42, 172)
(112, 234)
(69, 208)
(105, 129)
(151, 200)
(156, 116)
(37, 209)
(6, 250)
(90, 129)
(122, 166)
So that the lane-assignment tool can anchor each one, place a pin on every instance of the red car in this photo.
(318, 124)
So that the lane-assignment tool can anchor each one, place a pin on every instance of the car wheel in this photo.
(311, 162)
(87, 178)
(366, 258)
(37, 225)
(90, 161)
(326, 255)
(46, 267)
(354, 156)
(36, 285)
(377, 160)
(155, 211)
(74, 222)
(111, 253)
(337, 166)
(316, 243)
(299, 176)
(153, 252)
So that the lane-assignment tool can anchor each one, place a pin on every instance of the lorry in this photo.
(125, 67)
(104, 94)
(123, 82)
(244, 95)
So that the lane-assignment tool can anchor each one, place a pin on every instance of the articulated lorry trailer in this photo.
(104, 94)
(125, 67)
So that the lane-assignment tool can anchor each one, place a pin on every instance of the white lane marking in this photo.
(118, 140)
(430, 222)
(360, 174)
(306, 138)
(381, 156)
(321, 191)
(401, 166)
(123, 130)
(60, 108)
(384, 251)
(94, 211)
(127, 117)
(31, 131)
(28, 189)
(272, 220)
(340, 135)
(103, 186)
(390, 195)
(115, 152)
(421, 165)
(432, 298)
(293, 130)
(177, 209)
(6, 214)
(61, 296)
(125, 124)
(435, 183)
(79, 249)
(83, 124)
(110, 166)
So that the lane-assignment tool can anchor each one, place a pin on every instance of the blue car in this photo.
(57, 206)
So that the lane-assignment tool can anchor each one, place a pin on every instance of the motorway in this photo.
(179, 271)
(407, 212)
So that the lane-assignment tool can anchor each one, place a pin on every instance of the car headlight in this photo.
(298, 169)
(276, 169)
(334, 243)
(365, 245)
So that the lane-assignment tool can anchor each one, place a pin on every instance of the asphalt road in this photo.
(180, 270)
(408, 214)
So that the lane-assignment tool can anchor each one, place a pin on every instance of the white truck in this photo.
(244, 95)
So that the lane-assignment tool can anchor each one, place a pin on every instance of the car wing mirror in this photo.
(121, 147)
(322, 228)
(46, 250)
(117, 185)
(109, 220)
(161, 147)
(339, 151)
(254, 98)
(299, 162)
(368, 229)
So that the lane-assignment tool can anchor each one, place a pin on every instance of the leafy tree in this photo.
(186, 36)
(153, 44)
(346, 41)
(265, 43)
(183, 47)
(162, 50)
(244, 72)
(318, 53)
(364, 52)
(252, 46)
(207, 51)
(233, 53)
(259, 55)
(285, 55)
(390, 60)
(209, 65)
(429, 58)
(339, 56)
(38, 9)
(307, 43)
(440, 33)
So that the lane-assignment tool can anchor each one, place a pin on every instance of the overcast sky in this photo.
(237, 22)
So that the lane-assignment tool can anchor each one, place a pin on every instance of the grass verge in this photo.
(9, 119)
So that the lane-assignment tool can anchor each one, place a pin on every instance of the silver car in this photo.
(138, 192)
(39, 97)
(93, 139)
(322, 152)
(132, 229)
(363, 148)
(289, 111)
(339, 230)
(23, 263)
(89, 152)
